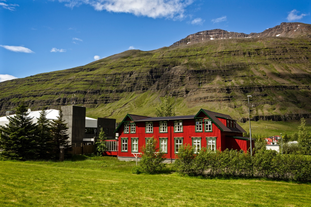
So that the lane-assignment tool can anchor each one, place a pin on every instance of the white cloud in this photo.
(220, 19)
(293, 15)
(132, 48)
(10, 7)
(75, 40)
(197, 21)
(96, 57)
(5, 77)
(57, 50)
(17, 48)
(153, 9)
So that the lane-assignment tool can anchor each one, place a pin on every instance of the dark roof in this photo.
(168, 118)
(213, 115)
(137, 117)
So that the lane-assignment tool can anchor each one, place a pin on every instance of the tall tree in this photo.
(166, 107)
(45, 137)
(304, 138)
(101, 143)
(19, 138)
(59, 134)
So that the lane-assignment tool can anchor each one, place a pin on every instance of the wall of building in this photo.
(74, 116)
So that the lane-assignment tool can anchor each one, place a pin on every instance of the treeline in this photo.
(22, 139)
(231, 163)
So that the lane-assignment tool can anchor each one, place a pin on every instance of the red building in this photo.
(205, 129)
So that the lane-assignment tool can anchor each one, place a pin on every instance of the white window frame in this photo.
(124, 144)
(149, 127)
(178, 143)
(198, 125)
(126, 127)
(211, 143)
(133, 128)
(163, 145)
(134, 144)
(163, 127)
(208, 125)
(178, 126)
(196, 144)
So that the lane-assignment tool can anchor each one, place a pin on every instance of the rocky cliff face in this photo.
(215, 75)
(291, 30)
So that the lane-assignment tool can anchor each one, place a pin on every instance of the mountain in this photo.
(274, 66)
(292, 30)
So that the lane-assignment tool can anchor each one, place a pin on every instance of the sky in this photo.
(38, 36)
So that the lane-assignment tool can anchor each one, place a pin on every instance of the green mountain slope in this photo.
(215, 75)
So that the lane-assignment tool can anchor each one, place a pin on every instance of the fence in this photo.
(83, 149)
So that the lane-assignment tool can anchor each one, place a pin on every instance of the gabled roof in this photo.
(214, 117)
(168, 118)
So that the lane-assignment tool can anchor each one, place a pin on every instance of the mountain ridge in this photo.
(215, 75)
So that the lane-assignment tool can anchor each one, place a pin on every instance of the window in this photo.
(208, 125)
(134, 144)
(148, 144)
(178, 126)
(228, 123)
(163, 145)
(211, 143)
(163, 126)
(196, 144)
(198, 125)
(124, 144)
(133, 128)
(234, 124)
(126, 128)
(178, 144)
(149, 127)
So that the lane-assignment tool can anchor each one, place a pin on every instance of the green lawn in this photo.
(108, 182)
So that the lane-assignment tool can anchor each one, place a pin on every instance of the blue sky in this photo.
(38, 36)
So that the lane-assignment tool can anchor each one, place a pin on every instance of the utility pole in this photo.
(281, 144)
(250, 129)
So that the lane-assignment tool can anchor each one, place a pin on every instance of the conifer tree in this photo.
(304, 138)
(45, 137)
(19, 138)
(166, 108)
(59, 134)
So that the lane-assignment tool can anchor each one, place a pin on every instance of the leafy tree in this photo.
(304, 138)
(19, 138)
(166, 108)
(44, 134)
(101, 143)
(59, 134)
(152, 159)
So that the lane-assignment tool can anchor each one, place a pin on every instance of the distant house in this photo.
(209, 129)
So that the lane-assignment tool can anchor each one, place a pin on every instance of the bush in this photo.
(231, 163)
(136, 170)
(152, 159)
(185, 162)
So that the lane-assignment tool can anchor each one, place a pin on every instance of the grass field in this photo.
(104, 181)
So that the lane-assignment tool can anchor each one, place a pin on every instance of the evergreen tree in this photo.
(304, 138)
(19, 138)
(44, 134)
(59, 134)
(101, 143)
(166, 108)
